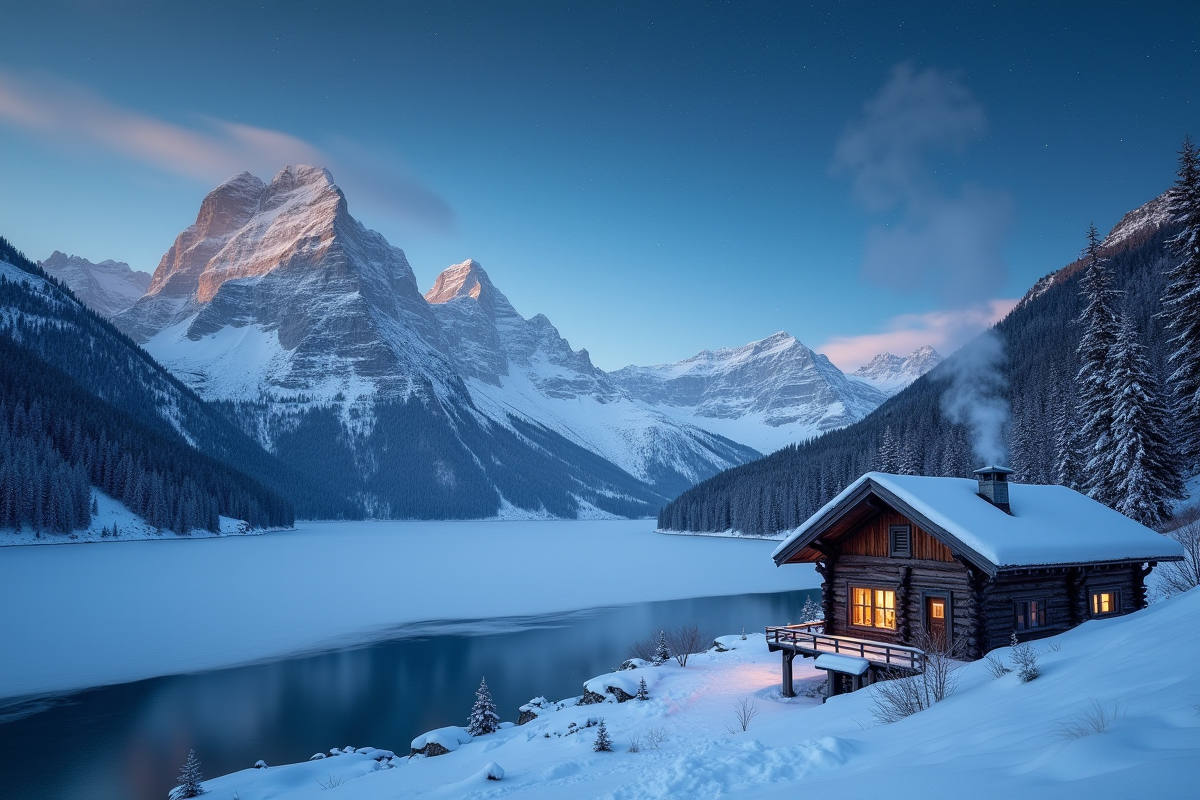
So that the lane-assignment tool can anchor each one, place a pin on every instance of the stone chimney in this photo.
(993, 486)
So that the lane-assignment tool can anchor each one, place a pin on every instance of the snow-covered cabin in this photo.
(972, 559)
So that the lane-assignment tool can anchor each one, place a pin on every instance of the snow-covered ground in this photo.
(1115, 714)
(113, 515)
(142, 609)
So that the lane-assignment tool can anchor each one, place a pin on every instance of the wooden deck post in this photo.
(788, 690)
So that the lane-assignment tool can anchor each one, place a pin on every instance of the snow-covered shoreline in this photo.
(730, 534)
(1101, 721)
(113, 522)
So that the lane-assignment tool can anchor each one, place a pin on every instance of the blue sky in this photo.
(655, 178)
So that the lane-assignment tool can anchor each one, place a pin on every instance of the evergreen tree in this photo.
(889, 453)
(1067, 467)
(189, 778)
(1181, 300)
(484, 718)
(1145, 467)
(1100, 331)
(662, 653)
(643, 693)
(603, 744)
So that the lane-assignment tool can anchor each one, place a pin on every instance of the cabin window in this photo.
(1030, 614)
(1106, 602)
(873, 608)
(900, 541)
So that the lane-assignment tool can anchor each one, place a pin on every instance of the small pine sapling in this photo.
(484, 719)
(643, 693)
(1025, 660)
(189, 779)
(661, 652)
(603, 743)
(95, 506)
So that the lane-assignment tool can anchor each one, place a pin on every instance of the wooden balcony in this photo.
(809, 640)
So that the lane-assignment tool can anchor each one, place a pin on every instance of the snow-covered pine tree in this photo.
(643, 692)
(1067, 466)
(662, 653)
(1145, 464)
(889, 452)
(603, 744)
(1181, 301)
(484, 718)
(812, 611)
(189, 779)
(1100, 329)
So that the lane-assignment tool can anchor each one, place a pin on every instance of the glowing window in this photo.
(873, 608)
(1030, 614)
(1105, 602)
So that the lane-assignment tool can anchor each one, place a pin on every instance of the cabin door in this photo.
(935, 619)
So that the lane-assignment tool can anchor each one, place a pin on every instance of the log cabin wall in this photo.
(864, 560)
(982, 609)
(1067, 592)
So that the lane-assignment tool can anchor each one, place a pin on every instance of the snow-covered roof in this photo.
(1048, 524)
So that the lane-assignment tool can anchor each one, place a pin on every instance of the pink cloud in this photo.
(945, 331)
(75, 118)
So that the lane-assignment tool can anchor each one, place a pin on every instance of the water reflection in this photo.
(126, 742)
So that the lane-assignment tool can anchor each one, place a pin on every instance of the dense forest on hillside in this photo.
(82, 406)
(910, 432)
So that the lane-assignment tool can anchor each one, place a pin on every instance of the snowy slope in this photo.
(1106, 719)
(109, 287)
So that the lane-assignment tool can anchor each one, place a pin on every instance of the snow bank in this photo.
(1103, 721)
(449, 738)
(847, 664)
(328, 585)
(627, 681)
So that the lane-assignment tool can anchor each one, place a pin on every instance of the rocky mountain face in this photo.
(892, 373)
(108, 288)
(311, 333)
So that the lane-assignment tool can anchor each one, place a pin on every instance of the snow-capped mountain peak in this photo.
(459, 280)
(109, 287)
(892, 373)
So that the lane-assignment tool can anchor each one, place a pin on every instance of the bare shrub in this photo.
(1176, 577)
(685, 640)
(332, 782)
(745, 710)
(995, 666)
(1054, 646)
(644, 648)
(901, 695)
(1096, 719)
(1025, 660)
(656, 736)
(635, 744)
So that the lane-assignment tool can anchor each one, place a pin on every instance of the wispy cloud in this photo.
(945, 331)
(210, 150)
(926, 238)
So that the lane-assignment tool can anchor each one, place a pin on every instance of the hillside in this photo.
(1039, 340)
(82, 407)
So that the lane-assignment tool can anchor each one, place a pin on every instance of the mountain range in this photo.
(309, 331)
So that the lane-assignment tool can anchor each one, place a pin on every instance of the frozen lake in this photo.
(279, 645)
(88, 615)
(126, 742)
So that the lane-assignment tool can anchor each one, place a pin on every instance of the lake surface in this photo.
(126, 742)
